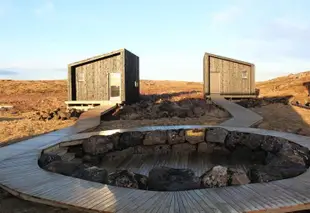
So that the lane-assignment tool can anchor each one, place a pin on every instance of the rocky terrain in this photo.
(252, 158)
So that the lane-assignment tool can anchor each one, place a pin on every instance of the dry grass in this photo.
(297, 86)
(14, 130)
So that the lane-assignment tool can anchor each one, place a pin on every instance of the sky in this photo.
(39, 38)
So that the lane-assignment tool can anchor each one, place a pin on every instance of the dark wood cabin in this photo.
(228, 77)
(111, 77)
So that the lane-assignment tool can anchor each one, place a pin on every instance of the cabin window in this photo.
(244, 74)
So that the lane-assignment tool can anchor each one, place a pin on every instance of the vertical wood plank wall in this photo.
(231, 81)
(132, 92)
(95, 84)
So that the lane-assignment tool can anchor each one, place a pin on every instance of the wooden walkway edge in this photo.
(21, 175)
(241, 117)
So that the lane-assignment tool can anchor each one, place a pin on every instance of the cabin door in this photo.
(114, 86)
(215, 83)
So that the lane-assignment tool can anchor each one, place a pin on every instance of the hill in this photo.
(295, 85)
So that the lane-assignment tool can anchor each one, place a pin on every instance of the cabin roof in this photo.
(228, 59)
(96, 58)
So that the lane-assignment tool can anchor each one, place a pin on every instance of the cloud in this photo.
(226, 15)
(8, 72)
(46, 8)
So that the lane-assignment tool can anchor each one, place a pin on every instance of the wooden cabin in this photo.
(111, 77)
(228, 77)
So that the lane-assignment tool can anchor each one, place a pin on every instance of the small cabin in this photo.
(107, 78)
(228, 77)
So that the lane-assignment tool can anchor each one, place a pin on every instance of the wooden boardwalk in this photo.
(21, 175)
(241, 117)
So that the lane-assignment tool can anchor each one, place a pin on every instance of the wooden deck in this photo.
(21, 175)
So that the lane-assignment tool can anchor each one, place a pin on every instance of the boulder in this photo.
(183, 148)
(238, 176)
(117, 155)
(273, 144)
(287, 166)
(216, 135)
(92, 174)
(98, 144)
(155, 137)
(124, 178)
(64, 168)
(253, 141)
(215, 177)
(169, 179)
(233, 139)
(182, 112)
(198, 111)
(77, 150)
(176, 136)
(47, 158)
(261, 174)
(129, 139)
(195, 136)
(91, 159)
(203, 147)
(290, 148)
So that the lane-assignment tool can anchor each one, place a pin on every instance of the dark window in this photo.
(115, 91)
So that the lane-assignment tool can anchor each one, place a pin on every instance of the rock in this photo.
(253, 141)
(162, 149)
(273, 144)
(183, 148)
(182, 112)
(64, 168)
(198, 111)
(47, 158)
(216, 135)
(63, 115)
(92, 174)
(117, 155)
(130, 139)
(215, 177)
(261, 174)
(77, 150)
(176, 136)
(233, 139)
(124, 178)
(169, 179)
(155, 137)
(133, 116)
(144, 150)
(238, 177)
(91, 159)
(142, 181)
(98, 145)
(204, 148)
(195, 136)
(287, 166)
